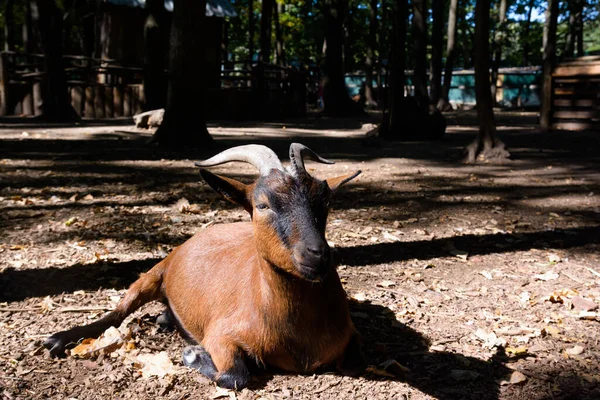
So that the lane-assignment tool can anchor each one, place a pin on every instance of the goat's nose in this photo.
(318, 250)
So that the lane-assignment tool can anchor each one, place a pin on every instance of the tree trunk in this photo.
(251, 24)
(549, 61)
(279, 53)
(498, 43)
(443, 103)
(437, 43)
(155, 79)
(569, 50)
(526, 30)
(419, 35)
(383, 44)
(56, 105)
(579, 30)
(265, 31)
(184, 124)
(28, 40)
(9, 39)
(486, 145)
(370, 59)
(393, 125)
(336, 100)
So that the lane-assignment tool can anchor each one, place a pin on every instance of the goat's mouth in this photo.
(311, 272)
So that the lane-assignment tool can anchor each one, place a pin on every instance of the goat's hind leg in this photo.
(228, 369)
(142, 291)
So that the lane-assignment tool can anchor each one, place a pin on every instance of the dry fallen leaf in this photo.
(547, 276)
(387, 284)
(582, 304)
(111, 340)
(517, 377)
(154, 364)
(575, 351)
(516, 350)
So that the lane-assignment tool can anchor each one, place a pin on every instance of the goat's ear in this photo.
(232, 190)
(335, 183)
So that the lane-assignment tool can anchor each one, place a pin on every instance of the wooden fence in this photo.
(576, 94)
(101, 89)
(97, 88)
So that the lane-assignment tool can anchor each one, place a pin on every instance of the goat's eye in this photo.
(262, 207)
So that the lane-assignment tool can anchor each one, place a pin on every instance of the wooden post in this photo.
(109, 105)
(77, 99)
(127, 101)
(28, 101)
(118, 101)
(99, 101)
(89, 103)
(38, 100)
(3, 84)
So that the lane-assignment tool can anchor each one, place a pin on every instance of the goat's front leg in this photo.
(224, 364)
(352, 362)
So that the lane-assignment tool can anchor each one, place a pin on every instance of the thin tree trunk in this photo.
(498, 43)
(155, 80)
(251, 23)
(526, 30)
(549, 61)
(437, 43)
(336, 100)
(9, 39)
(486, 144)
(383, 44)
(371, 48)
(444, 103)
(579, 30)
(569, 50)
(56, 105)
(419, 32)
(393, 126)
(279, 53)
(28, 29)
(265, 31)
(184, 123)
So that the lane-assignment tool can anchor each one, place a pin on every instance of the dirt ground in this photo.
(468, 282)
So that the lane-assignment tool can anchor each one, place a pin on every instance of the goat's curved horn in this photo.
(297, 153)
(263, 158)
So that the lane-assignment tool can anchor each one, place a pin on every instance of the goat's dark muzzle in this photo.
(312, 259)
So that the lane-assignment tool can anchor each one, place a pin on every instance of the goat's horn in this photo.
(297, 153)
(263, 158)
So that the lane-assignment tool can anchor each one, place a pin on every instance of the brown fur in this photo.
(236, 289)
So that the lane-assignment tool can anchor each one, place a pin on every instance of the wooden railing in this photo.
(101, 89)
(576, 94)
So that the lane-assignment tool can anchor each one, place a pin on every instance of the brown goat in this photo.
(264, 291)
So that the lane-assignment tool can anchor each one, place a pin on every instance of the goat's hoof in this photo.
(57, 344)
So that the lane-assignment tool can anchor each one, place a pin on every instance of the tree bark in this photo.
(486, 145)
(251, 23)
(28, 41)
(155, 79)
(579, 30)
(279, 52)
(419, 32)
(526, 30)
(437, 43)
(370, 59)
(56, 105)
(549, 62)
(336, 100)
(569, 50)
(443, 103)
(394, 123)
(9, 39)
(498, 43)
(265, 31)
(184, 124)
